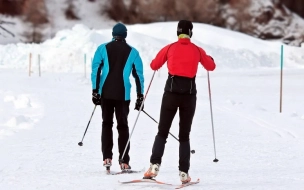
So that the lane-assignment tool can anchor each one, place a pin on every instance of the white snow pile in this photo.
(70, 49)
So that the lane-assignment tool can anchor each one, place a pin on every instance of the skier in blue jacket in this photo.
(112, 66)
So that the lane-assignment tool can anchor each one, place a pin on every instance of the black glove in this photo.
(139, 101)
(96, 98)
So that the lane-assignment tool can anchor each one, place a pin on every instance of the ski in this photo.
(144, 180)
(109, 172)
(123, 172)
(188, 184)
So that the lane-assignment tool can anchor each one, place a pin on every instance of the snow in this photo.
(94, 18)
(43, 118)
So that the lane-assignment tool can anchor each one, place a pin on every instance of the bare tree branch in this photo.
(7, 31)
(5, 22)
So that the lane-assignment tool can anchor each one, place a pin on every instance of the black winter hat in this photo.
(184, 27)
(119, 30)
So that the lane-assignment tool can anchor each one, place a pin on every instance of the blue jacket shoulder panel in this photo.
(99, 65)
(134, 64)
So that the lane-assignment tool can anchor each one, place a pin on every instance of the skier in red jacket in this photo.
(182, 59)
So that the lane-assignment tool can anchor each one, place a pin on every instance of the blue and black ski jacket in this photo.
(111, 69)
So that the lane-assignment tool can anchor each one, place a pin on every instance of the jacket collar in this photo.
(118, 39)
(184, 40)
(183, 36)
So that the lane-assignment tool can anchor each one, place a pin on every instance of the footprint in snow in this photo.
(261, 108)
(20, 101)
(232, 102)
(294, 114)
(20, 122)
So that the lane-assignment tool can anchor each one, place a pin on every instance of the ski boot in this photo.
(184, 177)
(125, 167)
(152, 171)
(107, 163)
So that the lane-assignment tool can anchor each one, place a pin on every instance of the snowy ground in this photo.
(43, 118)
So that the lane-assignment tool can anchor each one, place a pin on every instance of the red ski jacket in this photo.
(182, 58)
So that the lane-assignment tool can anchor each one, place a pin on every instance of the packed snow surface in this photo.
(42, 118)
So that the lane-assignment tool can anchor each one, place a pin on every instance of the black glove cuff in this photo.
(95, 94)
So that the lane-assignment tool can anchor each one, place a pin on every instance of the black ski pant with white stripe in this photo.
(121, 110)
(171, 102)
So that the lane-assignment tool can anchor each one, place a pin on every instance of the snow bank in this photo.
(72, 50)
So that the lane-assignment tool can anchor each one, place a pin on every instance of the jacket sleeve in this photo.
(138, 74)
(207, 61)
(97, 65)
(160, 58)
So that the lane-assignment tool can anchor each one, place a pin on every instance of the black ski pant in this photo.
(186, 103)
(121, 109)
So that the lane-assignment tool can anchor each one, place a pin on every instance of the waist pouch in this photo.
(180, 85)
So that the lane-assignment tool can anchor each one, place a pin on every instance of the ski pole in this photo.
(215, 159)
(157, 123)
(80, 143)
(140, 109)
(192, 151)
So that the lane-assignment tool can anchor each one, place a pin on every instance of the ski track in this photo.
(283, 133)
